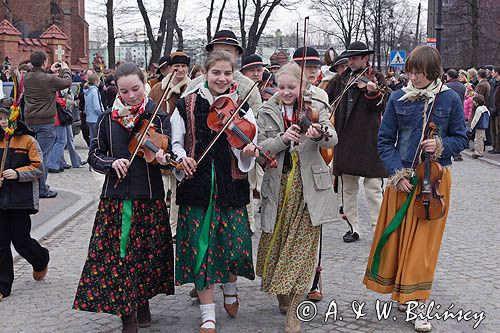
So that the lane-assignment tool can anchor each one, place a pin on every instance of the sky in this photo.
(192, 16)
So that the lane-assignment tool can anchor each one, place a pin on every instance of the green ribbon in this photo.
(126, 224)
(205, 228)
(395, 223)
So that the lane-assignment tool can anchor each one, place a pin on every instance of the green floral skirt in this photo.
(229, 246)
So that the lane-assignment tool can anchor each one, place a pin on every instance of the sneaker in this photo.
(50, 194)
(350, 237)
(422, 325)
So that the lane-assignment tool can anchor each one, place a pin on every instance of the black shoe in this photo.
(475, 156)
(49, 195)
(350, 237)
(67, 166)
(144, 315)
(458, 158)
(54, 170)
(129, 324)
(61, 170)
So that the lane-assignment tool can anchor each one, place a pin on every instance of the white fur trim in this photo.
(400, 174)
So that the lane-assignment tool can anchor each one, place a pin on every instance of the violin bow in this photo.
(265, 84)
(302, 69)
(143, 135)
(226, 125)
(336, 102)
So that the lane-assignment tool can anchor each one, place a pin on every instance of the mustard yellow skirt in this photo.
(409, 258)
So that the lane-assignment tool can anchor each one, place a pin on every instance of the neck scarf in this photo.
(429, 93)
(127, 115)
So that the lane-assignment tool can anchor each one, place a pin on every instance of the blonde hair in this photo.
(219, 55)
(291, 68)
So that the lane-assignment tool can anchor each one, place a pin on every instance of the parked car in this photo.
(7, 90)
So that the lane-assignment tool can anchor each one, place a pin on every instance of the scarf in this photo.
(206, 94)
(177, 89)
(429, 93)
(127, 115)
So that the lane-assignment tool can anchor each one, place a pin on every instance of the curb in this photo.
(60, 219)
(485, 160)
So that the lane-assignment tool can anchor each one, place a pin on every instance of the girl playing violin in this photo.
(407, 263)
(213, 233)
(130, 257)
(297, 196)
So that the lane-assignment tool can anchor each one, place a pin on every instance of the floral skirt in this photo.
(229, 246)
(118, 285)
(292, 257)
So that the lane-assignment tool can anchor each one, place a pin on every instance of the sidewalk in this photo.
(492, 159)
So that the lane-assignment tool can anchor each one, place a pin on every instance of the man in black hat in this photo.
(226, 40)
(338, 68)
(164, 68)
(357, 121)
(274, 67)
(311, 70)
(252, 67)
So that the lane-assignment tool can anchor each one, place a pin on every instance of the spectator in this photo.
(473, 76)
(76, 160)
(480, 123)
(483, 87)
(463, 76)
(40, 109)
(493, 106)
(453, 83)
(111, 90)
(6, 62)
(93, 104)
(196, 71)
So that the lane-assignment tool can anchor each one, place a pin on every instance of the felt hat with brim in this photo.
(338, 61)
(311, 56)
(226, 37)
(251, 61)
(164, 61)
(274, 65)
(179, 57)
(356, 49)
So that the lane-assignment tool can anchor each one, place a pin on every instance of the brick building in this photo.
(57, 27)
(457, 48)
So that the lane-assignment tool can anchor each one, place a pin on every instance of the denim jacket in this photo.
(402, 124)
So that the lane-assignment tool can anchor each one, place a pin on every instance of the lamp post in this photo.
(439, 25)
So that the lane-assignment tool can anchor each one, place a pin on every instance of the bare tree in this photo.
(171, 6)
(219, 20)
(111, 33)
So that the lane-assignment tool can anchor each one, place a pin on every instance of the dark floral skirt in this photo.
(118, 285)
(229, 246)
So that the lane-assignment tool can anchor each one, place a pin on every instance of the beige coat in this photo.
(316, 180)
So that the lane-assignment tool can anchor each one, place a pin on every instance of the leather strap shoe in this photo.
(350, 237)
(39, 276)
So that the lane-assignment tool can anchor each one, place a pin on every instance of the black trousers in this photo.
(15, 227)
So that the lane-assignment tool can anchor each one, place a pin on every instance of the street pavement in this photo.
(466, 274)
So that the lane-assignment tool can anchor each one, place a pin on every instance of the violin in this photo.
(429, 203)
(309, 116)
(151, 144)
(240, 131)
(365, 77)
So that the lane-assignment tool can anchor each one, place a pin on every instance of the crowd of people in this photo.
(297, 138)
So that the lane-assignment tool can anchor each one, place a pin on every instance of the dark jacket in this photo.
(25, 157)
(457, 87)
(143, 180)
(492, 101)
(483, 88)
(40, 95)
(357, 123)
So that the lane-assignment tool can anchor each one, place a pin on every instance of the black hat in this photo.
(251, 61)
(311, 56)
(274, 65)
(338, 61)
(224, 37)
(164, 61)
(179, 57)
(355, 49)
(5, 104)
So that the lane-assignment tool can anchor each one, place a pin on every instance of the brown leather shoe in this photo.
(315, 296)
(207, 330)
(283, 303)
(193, 293)
(39, 276)
(129, 324)
(144, 315)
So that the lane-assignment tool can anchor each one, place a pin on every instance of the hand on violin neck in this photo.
(429, 145)
(189, 165)
(371, 87)
(121, 166)
(404, 185)
(162, 157)
(313, 133)
(291, 134)
(251, 150)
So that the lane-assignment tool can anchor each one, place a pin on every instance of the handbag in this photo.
(65, 116)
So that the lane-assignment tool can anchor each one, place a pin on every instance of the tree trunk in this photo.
(111, 34)
(180, 37)
(209, 22)
(475, 32)
(171, 6)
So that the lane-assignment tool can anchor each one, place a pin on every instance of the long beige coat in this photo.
(316, 180)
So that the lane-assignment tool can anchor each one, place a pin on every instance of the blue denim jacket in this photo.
(402, 124)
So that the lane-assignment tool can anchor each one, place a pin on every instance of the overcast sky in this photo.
(192, 16)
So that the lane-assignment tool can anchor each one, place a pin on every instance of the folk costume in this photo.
(167, 107)
(405, 265)
(213, 231)
(130, 257)
(356, 155)
(297, 197)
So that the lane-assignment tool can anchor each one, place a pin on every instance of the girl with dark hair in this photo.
(130, 257)
(405, 245)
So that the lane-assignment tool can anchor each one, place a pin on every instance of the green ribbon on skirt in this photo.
(126, 225)
(205, 228)
(395, 223)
